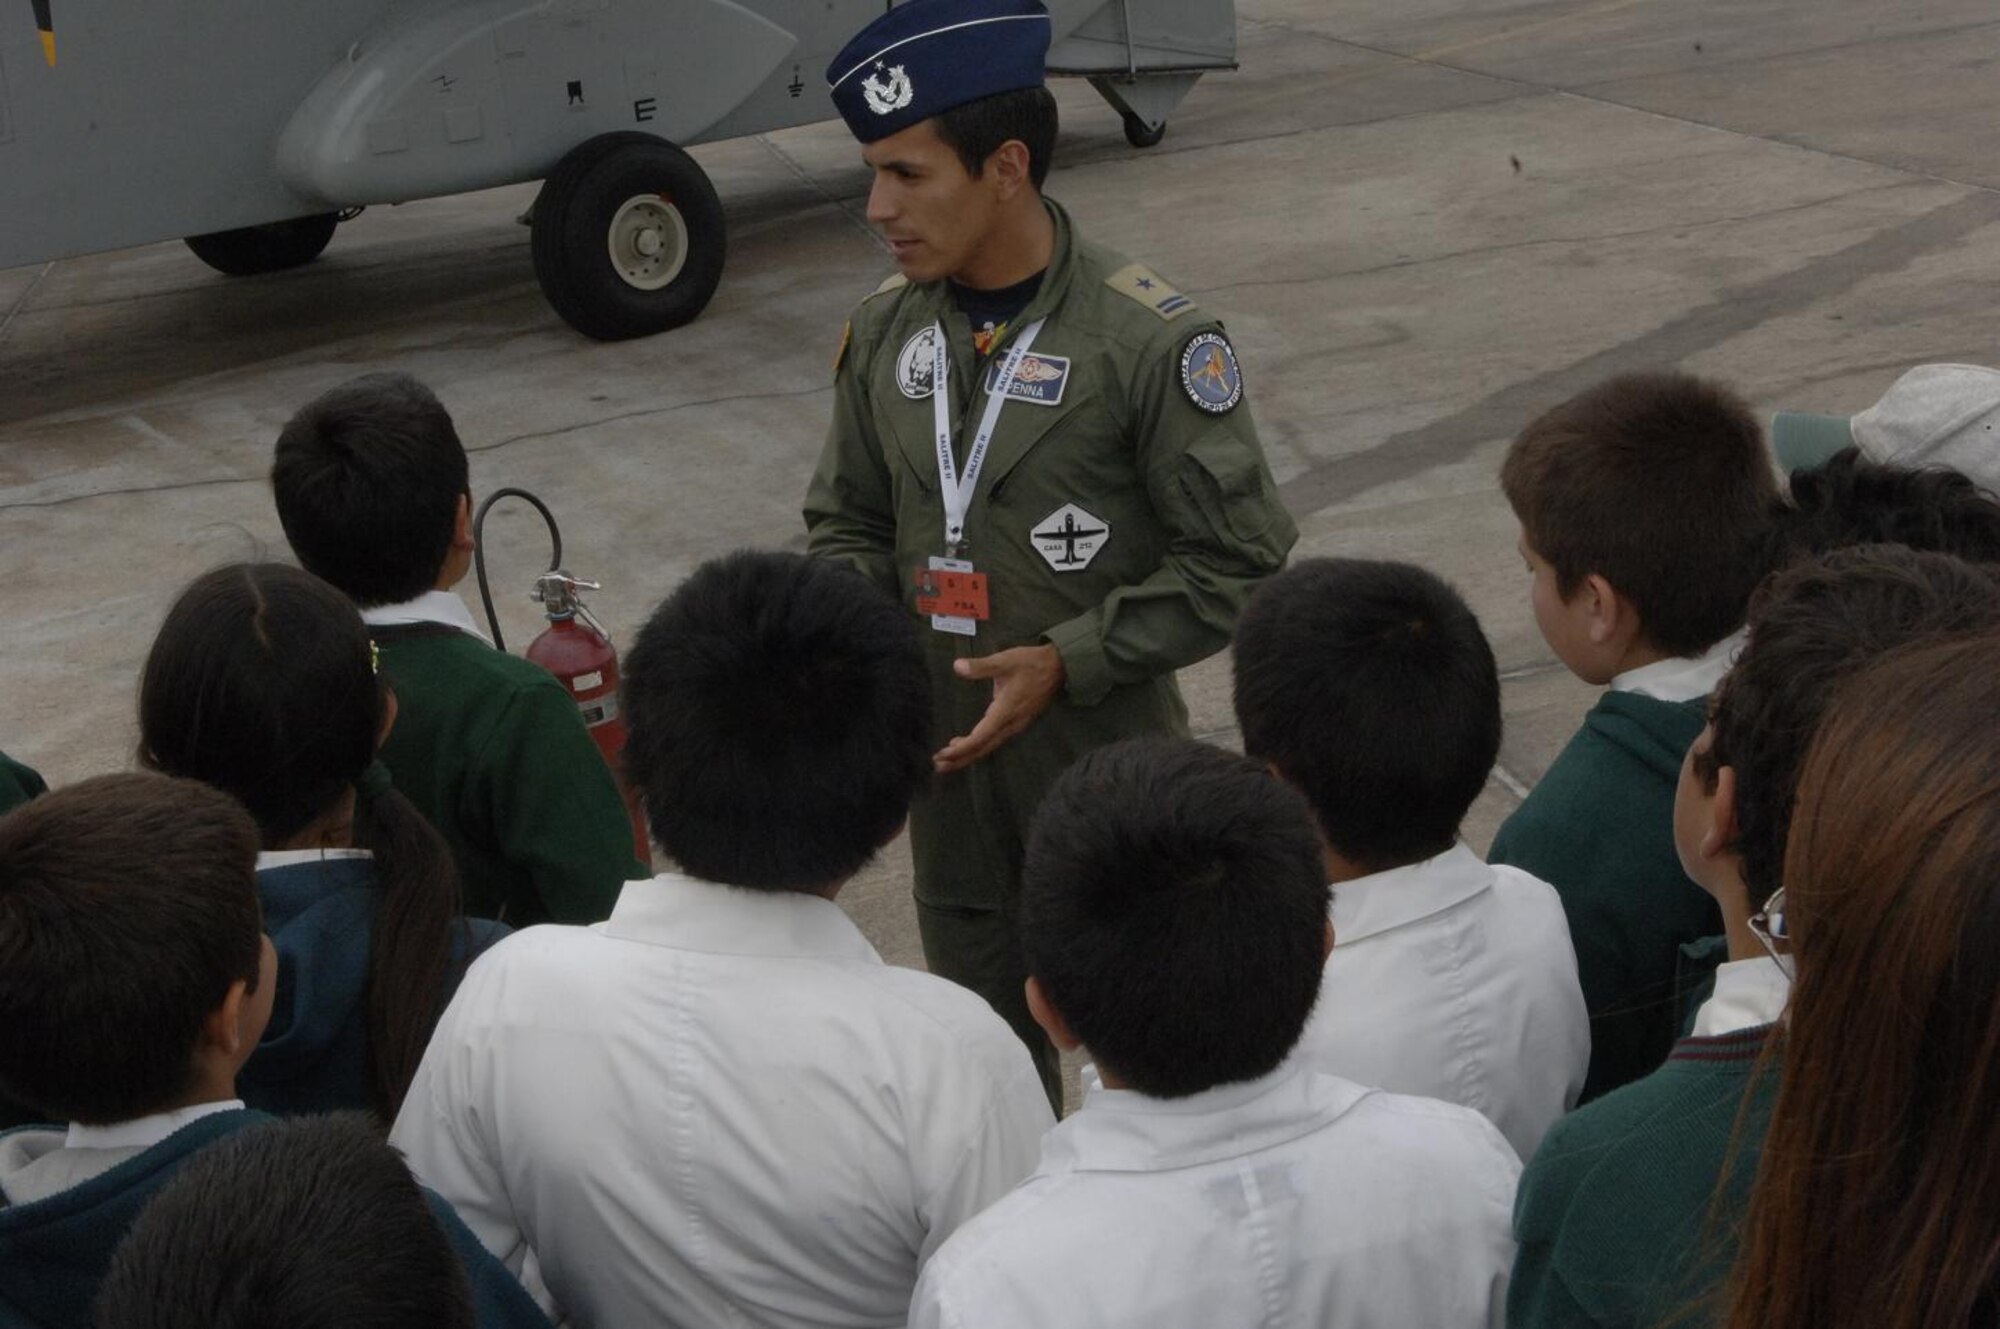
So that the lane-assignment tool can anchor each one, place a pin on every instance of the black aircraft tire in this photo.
(1138, 135)
(249, 250)
(628, 237)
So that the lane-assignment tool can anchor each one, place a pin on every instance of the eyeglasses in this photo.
(1768, 926)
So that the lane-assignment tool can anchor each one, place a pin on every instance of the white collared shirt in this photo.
(718, 1107)
(1455, 979)
(1293, 1200)
(286, 858)
(445, 607)
(1748, 994)
(142, 1133)
(1683, 678)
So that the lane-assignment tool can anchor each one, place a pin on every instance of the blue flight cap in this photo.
(928, 56)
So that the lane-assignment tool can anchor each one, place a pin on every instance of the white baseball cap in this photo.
(1934, 415)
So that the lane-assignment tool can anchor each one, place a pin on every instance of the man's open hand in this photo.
(1025, 680)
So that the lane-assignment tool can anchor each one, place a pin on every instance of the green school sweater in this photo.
(1599, 827)
(494, 752)
(18, 783)
(1618, 1220)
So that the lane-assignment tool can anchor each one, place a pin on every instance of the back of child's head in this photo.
(311, 1223)
(1370, 686)
(128, 909)
(1852, 500)
(1812, 626)
(1660, 484)
(368, 477)
(262, 683)
(1174, 911)
(779, 716)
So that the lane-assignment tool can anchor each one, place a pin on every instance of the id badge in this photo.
(954, 595)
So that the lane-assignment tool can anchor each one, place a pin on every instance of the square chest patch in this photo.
(1068, 538)
(1040, 379)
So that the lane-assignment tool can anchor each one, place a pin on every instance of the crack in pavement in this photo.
(1733, 311)
(493, 446)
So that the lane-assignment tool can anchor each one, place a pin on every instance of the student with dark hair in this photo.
(262, 683)
(1645, 507)
(1626, 1214)
(1058, 579)
(1874, 1199)
(720, 1106)
(1174, 915)
(371, 488)
(1370, 687)
(313, 1223)
(134, 984)
(1852, 500)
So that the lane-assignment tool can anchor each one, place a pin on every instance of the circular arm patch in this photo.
(1209, 373)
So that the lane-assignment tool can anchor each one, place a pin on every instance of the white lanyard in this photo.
(956, 489)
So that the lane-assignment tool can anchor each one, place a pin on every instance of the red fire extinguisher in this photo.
(574, 648)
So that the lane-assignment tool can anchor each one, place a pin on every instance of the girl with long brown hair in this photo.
(1877, 1201)
(262, 683)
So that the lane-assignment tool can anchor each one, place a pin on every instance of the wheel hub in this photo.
(648, 241)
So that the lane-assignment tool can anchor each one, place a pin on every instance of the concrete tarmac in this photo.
(1423, 220)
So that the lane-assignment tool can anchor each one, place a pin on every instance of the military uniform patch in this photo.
(1210, 374)
(1039, 378)
(1141, 283)
(846, 336)
(916, 367)
(1068, 538)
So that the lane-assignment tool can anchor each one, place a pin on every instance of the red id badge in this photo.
(954, 596)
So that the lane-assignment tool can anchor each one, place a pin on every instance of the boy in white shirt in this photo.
(719, 1106)
(1370, 687)
(1173, 919)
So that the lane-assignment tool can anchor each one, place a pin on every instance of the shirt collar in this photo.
(444, 607)
(143, 1132)
(1683, 678)
(285, 858)
(1122, 1130)
(1748, 993)
(1384, 900)
(688, 914)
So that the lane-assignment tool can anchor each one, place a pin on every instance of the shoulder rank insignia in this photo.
(894, 281)
(1209, 373)
(1141, 283)
(846, 336)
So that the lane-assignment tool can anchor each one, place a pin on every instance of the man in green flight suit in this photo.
(1041, 447)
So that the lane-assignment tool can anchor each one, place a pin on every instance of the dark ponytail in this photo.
(262, 683)
(410, 963)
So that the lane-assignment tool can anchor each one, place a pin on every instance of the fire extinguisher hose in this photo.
(479, 549)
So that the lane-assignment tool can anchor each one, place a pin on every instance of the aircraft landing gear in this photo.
(249, 250)
(1141, 135)
(627, 237)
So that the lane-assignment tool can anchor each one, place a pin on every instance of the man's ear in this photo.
(461, 524)
(1719, 836)
(1049, 1018)
(1008, 168)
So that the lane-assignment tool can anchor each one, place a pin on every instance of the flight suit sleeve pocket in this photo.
(1224, 480)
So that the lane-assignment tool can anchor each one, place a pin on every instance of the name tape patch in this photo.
(1039, 379)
